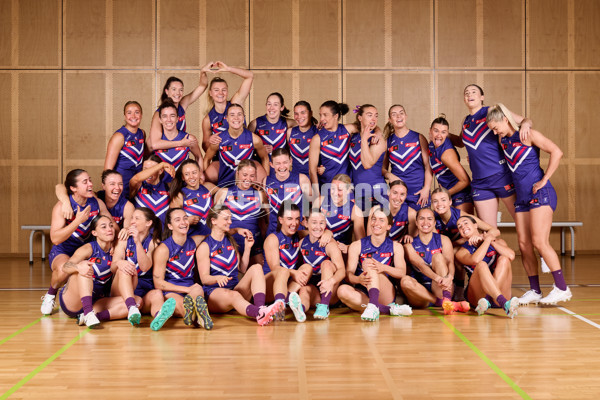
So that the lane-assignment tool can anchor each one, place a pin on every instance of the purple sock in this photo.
(446, 294)
(534, 283)
(303, 308)
(86, 302)
(326, 298)
(501, 300)
(559, 279)
(438, 303)
(374, 296)
(103, 315)
(252, 310)
(259, 299)
(385, 310)
(130, 302)
(280, 296)
(52, 291)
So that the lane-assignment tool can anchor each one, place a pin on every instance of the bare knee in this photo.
(344, 291)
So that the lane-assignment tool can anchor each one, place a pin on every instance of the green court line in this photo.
(43, 365)
(23, 329)
(485, 359)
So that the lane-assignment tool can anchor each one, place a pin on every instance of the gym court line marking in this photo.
(578, 316)
(43, 365)
(485, 359)
(23, 329)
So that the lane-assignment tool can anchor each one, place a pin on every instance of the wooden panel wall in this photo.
(69, 66)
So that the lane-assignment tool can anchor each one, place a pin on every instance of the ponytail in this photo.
(336, 108)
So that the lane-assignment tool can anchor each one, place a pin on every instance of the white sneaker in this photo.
(400, 309)
(531, 296)
(280, 314)
(134, 316)
(89, 319)
(371, 313)
(48, 302)
(296, 307)
(557, 295)
(511, 307)
(483, 305)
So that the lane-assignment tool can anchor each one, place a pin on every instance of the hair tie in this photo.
(356, 109)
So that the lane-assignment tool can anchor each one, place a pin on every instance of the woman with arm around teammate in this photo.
(150, 186)
(445, 164)
(125, 150)
(373, 262)
(68, 235)
(487, 261)
(403, 217)
(535, 201)
(408, 154)
(173, 90)
(90, 271)
(219, 264)
(174, 261)
(272, 127)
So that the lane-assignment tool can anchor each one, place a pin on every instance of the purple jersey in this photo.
(444, 176)
(313, 254)
(197, 202)
(384, 253)
(129, 161)
(118, 210)
(132, 256)
(491, 256)
(175, 155)
(449, 228)
(102, 261)
(485, 156)
(223, 261)
(272, 134)
(245, 207)
(280, 191)
(427, 250)
(335, 148)
(406, 160)
(181, 262)
(299, 148)
(400, 223)
(373, 188)
(524, 164)
(218, 121)
(154, 197)
(231, 152)
(339, 219)
(289, 252)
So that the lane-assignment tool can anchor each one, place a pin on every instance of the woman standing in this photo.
(300, 136)
(272, 127)
(403, 227)
(535, 200)
(150, 186)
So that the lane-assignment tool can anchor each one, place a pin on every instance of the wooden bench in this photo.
(34, 229)
(557, 224)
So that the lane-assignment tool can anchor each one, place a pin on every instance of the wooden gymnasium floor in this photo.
(546, 352)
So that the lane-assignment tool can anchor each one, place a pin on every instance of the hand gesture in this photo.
(67, 210)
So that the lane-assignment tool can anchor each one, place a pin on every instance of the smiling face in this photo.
(175, 91)
(339, 191)
(219, 91)
(290, 221)
(179, 222)
(235, 117)
(139, 221)
(113, 186)
(466, 227)
(274, 107)
(302, 116)
(328, 120)
(397, 117)
(397, 195)
(281, 164)
(425, 221)
(191, 175)
(316, 224)
(438, 134)
(369, 117)
(104, 230)
(473, 98)
(441, 202)
(84, 186)
(223, 220)
(245, 177)
(168, 118)
(380, 223)
(152, 179)
(133, 116)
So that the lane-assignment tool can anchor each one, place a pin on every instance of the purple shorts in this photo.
(495, 186)
(462, 197)
(143, 287)
(412, 199)
(546, 196)
(99, 292)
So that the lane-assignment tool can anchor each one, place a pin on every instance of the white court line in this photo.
(587, 321)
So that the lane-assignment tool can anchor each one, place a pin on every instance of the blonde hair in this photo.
(388, 129)
(499, 111)
(342, 178)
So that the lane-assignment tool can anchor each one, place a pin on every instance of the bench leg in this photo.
(572, 242)
(562, 241)
(31, 247)
(43, 246)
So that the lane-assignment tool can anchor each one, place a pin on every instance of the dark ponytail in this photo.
(167, 233)
(441, 119)
(71, 179)
(285, 113)
(336, 108)
(306, 104)
(156, 224)
(178, 182)
(163, 96)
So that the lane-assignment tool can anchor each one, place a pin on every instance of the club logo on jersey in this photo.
(174, 258)
(263, 132)
(96, 260)
(327, 142)
(217, 124)
(191, 201)
(393, 148)
(226, 148)
(272, 191)
(216, 252)
(367, 255)
(421, 254)
(284, 247)
(294, 141)
(129, 253)
(304, 252)
(509, 187)
(130, 143)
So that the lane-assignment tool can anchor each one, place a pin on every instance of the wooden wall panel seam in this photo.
(14, 52)
(202, 35)
(387, 56)
(571, 33)
(571, 150)
(295, 33)
(479, 29)
(108, 48)
(14, 155)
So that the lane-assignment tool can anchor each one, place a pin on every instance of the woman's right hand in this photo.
(85, 268)
(215, 139)
(67, 210)
(223, 280)
(168, 168)
(82, 215)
